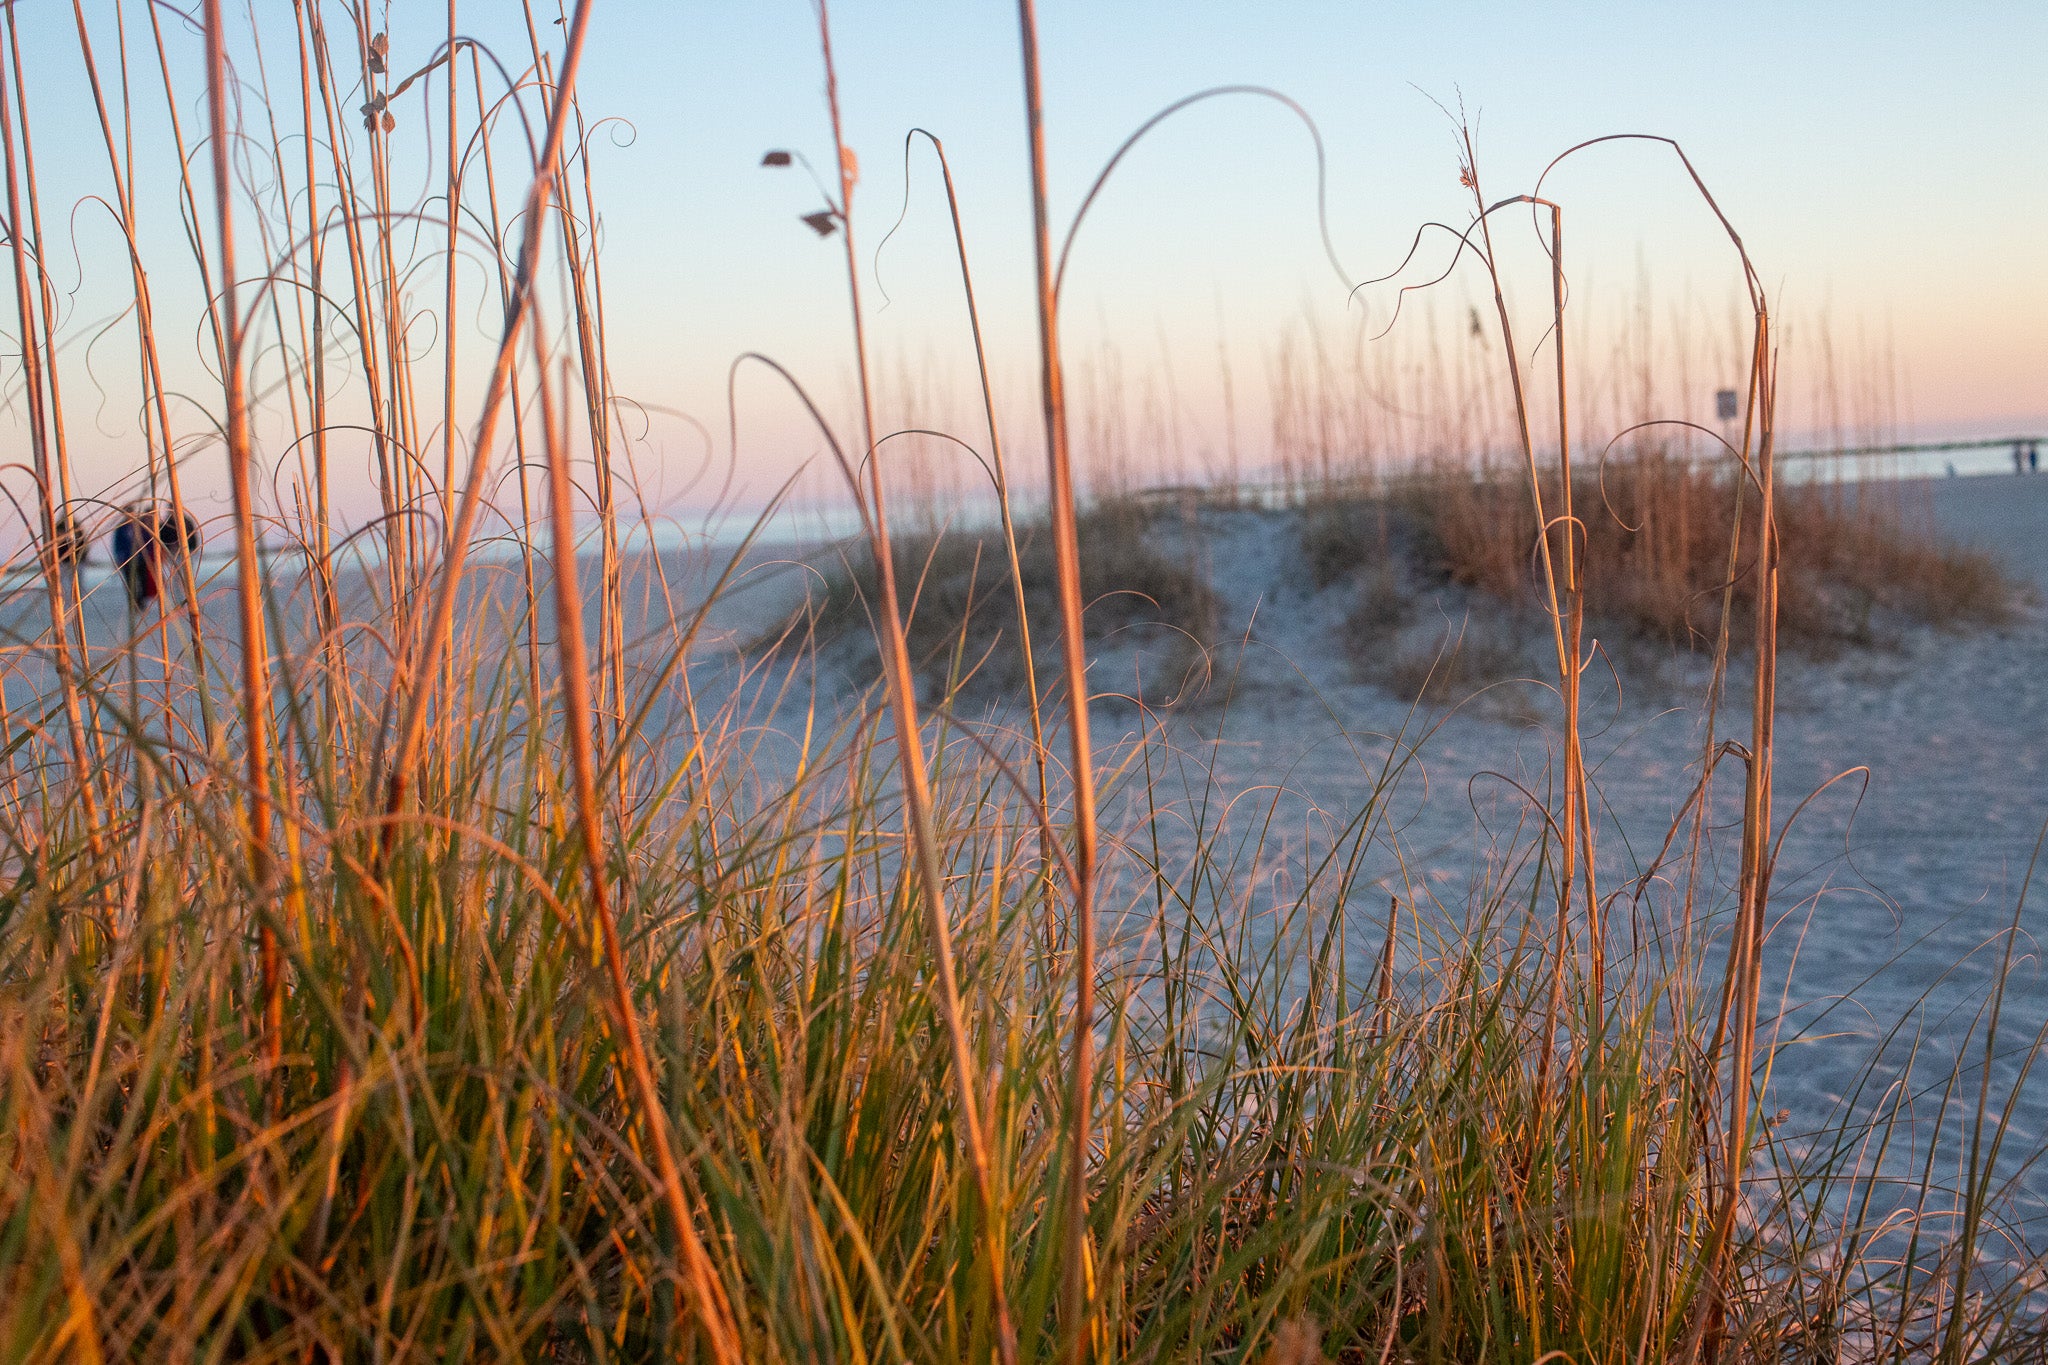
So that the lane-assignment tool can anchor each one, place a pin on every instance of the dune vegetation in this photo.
(1856, 572)
(414, 953)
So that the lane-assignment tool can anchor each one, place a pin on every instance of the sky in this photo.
(1886, 165)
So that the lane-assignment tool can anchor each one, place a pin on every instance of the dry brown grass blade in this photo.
(1578, 811)
(434, 645)
(1556, 592)
(1076, 1315)
(1383, 988)
(47, 472)
(700, 1279)
(1744, 984)
(901, 687)
(162, 462)
(71, 631)
(248, 572)
(1000, 470)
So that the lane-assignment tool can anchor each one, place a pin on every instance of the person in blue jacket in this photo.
(144, 537)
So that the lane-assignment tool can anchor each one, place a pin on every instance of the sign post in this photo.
(1727, 406)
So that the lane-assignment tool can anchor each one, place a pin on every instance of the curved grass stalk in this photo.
(1000, 474)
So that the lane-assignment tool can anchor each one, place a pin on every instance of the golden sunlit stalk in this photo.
(706, 1296)
(1077, 1320)
(434, 644)
(248, 572)
(917, 794)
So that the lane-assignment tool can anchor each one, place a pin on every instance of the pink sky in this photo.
(1883, 162)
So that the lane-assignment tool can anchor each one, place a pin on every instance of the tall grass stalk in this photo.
(1000, 475)
(248, 574)
(917, 793)
(1077, 1324)
(52, 478)
(701, 1287)
(1559, 597)
(440, 623)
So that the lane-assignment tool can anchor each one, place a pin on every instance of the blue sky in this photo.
(1887, 165)
(1884, 163)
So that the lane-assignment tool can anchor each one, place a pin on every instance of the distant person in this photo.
(2019, 458)
(2033, 457)
(143, 537)
(1951, 469)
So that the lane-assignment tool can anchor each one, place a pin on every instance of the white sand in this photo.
(1892, 892)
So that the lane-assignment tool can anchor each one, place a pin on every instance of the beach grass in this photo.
(1856, 568)
(961, 624)
(426, 958)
